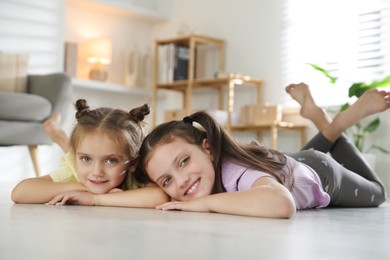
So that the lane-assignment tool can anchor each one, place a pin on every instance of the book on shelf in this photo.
(206, 57)
(182, 55)
(173, 62)
(166, 63)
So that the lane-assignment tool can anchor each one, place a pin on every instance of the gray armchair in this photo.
(22, 114)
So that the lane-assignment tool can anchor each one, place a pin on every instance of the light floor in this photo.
(76, 232)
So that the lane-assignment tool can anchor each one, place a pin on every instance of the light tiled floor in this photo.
(76, 232)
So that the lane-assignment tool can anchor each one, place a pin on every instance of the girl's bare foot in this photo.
(52, 126)
(309, 109)
(371, 102)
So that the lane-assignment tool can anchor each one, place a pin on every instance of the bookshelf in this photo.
(227, 83)
(192, 42)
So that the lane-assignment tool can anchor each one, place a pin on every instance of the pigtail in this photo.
(81, 107)
(138, 114)
(216, 137)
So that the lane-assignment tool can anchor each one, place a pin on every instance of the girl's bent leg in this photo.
(345, 153)
(52, 127)
(345, 187)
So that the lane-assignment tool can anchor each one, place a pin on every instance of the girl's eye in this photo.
(184, 162)
(85, 159)
(166, 181)
(112, 161)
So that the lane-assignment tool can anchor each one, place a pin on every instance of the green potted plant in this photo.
(360, 131)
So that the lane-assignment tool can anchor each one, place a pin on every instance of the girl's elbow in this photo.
(18, 193)
(15, 197)
(287, 208)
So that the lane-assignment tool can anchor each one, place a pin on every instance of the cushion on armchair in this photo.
(24, 107)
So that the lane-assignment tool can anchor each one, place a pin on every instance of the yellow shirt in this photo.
(67, 173)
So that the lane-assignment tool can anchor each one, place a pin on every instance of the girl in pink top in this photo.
(205, 169)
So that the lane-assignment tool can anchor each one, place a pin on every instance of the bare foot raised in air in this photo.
(371, 102)
(52, 126)
(309, 109)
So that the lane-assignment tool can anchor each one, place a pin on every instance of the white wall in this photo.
(124, 31)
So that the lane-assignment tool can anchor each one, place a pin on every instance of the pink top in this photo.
(307, 190)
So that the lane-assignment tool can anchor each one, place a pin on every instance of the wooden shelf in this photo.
(186, 86)
(225, 83)
(274, 130)
(186, 40)
(208, 83)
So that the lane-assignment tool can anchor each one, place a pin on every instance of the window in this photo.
(349, 38)
(34, 28)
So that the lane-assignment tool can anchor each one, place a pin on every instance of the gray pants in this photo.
(345, 175)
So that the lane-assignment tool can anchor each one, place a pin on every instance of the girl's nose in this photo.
(182, 180)
(97, 170)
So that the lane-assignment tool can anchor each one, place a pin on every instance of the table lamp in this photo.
(99, 54)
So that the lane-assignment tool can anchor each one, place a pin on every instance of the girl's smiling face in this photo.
(102, 164)
(183, 170)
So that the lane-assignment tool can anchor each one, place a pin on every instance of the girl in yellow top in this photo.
(102, 154)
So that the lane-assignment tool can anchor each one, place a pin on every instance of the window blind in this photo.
(35, 28)
(348, 38)
(373, 51)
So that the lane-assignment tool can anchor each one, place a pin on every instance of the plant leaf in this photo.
(379, 148)
(332, 80)
(380, 84)
(357, 89)
(344, 107)
(372, 126)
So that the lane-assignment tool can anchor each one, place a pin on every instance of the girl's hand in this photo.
(189, 205)
(74, 198)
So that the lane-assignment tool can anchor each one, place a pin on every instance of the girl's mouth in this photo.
(97, 182)
(194, 187)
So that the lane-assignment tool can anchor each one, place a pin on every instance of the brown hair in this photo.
(222, 146)
(126, 128)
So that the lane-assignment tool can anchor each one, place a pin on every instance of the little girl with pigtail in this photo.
(100, 157)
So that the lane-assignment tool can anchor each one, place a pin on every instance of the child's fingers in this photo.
(170, 206)
(64, 200)
(55, 200)
(60, 198)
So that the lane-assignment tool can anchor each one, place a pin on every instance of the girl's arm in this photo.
(266, 198)
(41, 189)
(147, 197)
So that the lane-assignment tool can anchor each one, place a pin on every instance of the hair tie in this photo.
(188, 120)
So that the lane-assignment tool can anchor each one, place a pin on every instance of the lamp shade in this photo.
(99, 51)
